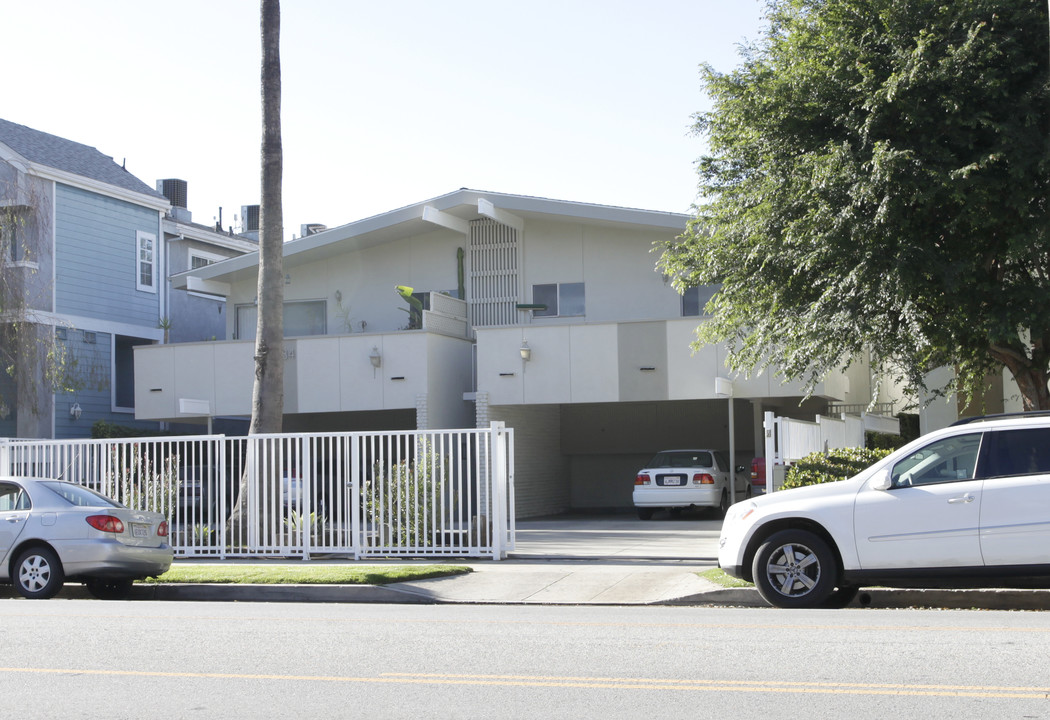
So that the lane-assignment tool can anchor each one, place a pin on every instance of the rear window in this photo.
(682, 459)
(79, 495)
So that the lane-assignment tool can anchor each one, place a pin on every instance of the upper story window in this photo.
(561, 299)
(199, 259)
(301, 317)
(695, 299)
(12, 238)
(147, 271)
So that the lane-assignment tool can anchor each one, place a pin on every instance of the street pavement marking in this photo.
(612, 683)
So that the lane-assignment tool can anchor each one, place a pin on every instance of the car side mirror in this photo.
(882, 480)
(741, 468)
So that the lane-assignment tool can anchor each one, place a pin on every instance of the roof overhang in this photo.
(453, 211)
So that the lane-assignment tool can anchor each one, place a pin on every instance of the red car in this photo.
(758, 476)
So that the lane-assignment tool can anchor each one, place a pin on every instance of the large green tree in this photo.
(876, 180)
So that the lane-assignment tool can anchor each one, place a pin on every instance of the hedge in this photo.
(837, 464)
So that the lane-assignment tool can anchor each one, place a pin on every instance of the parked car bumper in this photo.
(709, 496)
(112, 559)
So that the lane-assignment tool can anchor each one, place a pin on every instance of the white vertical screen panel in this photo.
(494, 292)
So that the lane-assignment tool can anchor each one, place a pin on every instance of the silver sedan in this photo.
(52, 531)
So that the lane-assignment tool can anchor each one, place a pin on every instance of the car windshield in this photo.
(682, 459)
(79, 495)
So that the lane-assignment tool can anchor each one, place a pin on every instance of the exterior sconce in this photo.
(375, 358)
(526, 351)
(75, 412)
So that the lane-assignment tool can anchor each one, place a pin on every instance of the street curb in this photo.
(884, 598)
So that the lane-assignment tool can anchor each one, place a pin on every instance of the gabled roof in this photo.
(462, 205)
(42, 150)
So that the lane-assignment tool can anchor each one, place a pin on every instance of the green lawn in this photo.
(718, 577)
(305, 574)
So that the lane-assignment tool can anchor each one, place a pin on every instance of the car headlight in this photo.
(740, 511)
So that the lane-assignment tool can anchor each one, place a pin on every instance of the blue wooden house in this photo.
(84, 266)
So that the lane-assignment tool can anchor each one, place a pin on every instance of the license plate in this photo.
(673, 480)
(140, 531)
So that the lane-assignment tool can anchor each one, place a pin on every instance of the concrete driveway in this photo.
(690, 537)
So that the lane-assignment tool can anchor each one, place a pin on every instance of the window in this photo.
(79, 495)
(948, 460)
(1017, 452)
(561, 300)
(13, 497)
(695, 299)
(199, 259)
(147, 276)
(301, 317)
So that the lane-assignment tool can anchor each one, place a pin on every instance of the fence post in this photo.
(5, 458)
(498, 487)
(306, 478)
(357, 535)
(770, 425)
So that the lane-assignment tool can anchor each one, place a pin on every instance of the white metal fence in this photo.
(788, 440)
(420, 494)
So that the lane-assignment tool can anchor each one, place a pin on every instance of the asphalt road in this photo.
(84, 659)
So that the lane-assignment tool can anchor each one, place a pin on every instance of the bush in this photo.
(837, 464)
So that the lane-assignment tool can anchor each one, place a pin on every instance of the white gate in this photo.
(421, 494)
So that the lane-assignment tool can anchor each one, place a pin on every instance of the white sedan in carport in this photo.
(677, 479)
(52, 531)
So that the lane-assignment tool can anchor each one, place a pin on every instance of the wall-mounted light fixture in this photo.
(339, 296)
(75, 412)
(526, 351)
(375, 358)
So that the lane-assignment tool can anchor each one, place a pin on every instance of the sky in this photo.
(384, 103)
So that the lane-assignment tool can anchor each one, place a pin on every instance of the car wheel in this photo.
(794, 569)
(109, 588)
(748, 492)
(723, 503)
(38, 574)
(645, 513)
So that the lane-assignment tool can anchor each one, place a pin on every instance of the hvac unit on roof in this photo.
(249, 218)
(174, 190)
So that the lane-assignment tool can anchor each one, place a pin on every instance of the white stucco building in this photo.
(545, 314)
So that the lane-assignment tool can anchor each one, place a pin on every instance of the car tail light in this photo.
(106, 523)
(642, 480)
(703, 479)
(162, 529)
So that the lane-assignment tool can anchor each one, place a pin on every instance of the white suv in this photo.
(965, 506)
(677, 479)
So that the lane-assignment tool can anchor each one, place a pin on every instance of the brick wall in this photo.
(541, 472)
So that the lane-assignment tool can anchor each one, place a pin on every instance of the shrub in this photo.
(402, 498)
(837, 464)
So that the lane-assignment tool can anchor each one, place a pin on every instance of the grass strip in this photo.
(306, 574)
(718, 577)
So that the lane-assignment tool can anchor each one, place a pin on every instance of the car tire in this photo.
(748, 492)
(723, 503)
(109, 588)
(38, 574)
(645, 513)
(795, 569)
